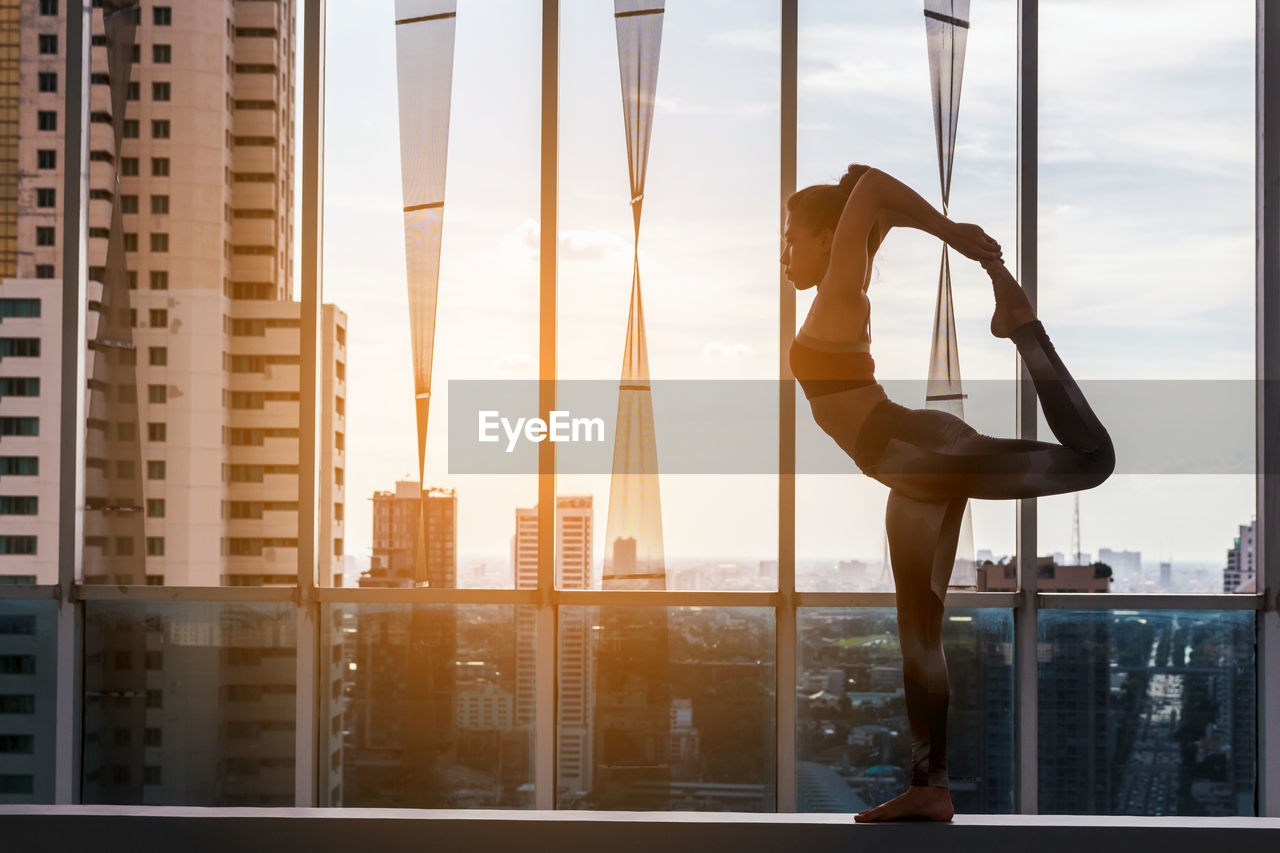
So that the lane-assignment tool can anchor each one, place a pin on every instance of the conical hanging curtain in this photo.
(633, 557)
(113, 452)
(424, 61)
(632, 722)
(947, 29)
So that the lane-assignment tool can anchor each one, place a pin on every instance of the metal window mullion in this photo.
(784, 622)
(544, 716)
(1026, 745)
(68, 696)
(308, 699)
(1267, 353)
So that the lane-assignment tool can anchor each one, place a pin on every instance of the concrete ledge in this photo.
(136, 829)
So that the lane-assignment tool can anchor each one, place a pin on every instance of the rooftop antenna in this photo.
(1075, 529)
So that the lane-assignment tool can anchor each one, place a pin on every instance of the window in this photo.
(46, 120)
(157, 393)
(18, 505)
(46, 197)
(46, 236)
(162, 16)
(48, 7)
(155, 546)
(128, 204)
(134, 92)
(46, 159)
(159, 278)
(155, 470)
(130, 241)
(44, 270)
(129, 166)
(157, 356)
(19, 308)
(159, 204)
(20, 425)
(17, 703)
(130, 128)
(19, 347)
(155, 507)
(160, 242)
(160, 129)
(159, 167)
(136, 52)
(19, 466)
(124, 546)
(19, 386)
(160, 91)
(158, 318)
(23, 545)
(161, 54)
(47, 81)
(157, 432)
(48, 43)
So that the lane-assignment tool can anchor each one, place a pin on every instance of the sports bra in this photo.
(826, 367)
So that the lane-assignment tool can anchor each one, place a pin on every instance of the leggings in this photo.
(933, 462)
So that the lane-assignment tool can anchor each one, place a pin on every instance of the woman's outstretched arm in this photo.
(903, 206)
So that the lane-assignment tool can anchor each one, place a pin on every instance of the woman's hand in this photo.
(974, 243)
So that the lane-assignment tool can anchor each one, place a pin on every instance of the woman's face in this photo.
(804, 254)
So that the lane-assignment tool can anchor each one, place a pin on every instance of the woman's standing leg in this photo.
(922, 548)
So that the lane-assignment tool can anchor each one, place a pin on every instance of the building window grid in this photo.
(785, 603)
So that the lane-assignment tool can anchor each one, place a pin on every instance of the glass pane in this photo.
(1135, 291)
(665, 708)
(193, 363)
(700, 300)
(1147, 712)
(486, 325)
(189, 704)
(853, 742)
(427, 706)
(28, 664)
(866, 96)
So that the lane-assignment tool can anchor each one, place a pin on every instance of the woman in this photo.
(932, 461)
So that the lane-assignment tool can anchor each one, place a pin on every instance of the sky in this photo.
(1145, 239)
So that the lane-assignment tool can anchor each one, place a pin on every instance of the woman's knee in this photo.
(1099, 463)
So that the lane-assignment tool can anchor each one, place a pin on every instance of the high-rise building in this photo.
(404, 688)
(576, 674)
(193, 370)
(397, 518)
(30, 314)
(1241, 571)
(193, 446)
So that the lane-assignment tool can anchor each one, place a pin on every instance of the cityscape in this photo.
(193, 477)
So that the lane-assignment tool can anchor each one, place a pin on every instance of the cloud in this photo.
(725, 351)
(759, 40)
(574, 244)
(514, 361)
(742, 109)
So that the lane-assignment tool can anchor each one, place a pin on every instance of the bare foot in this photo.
(1012, 306)
(920, 802)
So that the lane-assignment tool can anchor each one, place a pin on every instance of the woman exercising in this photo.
(932, 461)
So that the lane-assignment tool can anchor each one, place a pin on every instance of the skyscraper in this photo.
(1241, 570)
(193, 445)
(576, 673)
(193, 368)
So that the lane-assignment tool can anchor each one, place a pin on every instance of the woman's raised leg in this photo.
(932, 455)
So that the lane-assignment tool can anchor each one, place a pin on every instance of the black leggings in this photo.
(933, 462)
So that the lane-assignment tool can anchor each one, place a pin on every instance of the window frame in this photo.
(786, 601)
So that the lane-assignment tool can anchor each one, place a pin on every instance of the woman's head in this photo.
(812, 214)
